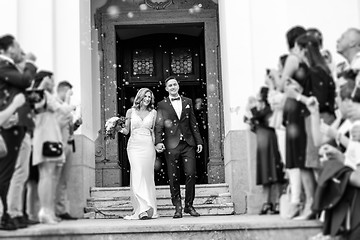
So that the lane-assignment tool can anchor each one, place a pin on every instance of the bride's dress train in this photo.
(141, 153)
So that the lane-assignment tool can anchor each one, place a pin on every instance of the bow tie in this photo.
(174, 99)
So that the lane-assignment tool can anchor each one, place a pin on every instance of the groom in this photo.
(176, 132)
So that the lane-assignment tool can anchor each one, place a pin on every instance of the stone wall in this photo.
(82, 175)
(240, 170)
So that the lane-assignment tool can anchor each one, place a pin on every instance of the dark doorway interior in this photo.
(145, 57)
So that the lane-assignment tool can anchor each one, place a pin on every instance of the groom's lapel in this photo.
(171, 108)
(183, 101)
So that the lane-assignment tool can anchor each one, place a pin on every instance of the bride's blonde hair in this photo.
(140, 96)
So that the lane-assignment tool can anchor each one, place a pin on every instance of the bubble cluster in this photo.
(195, 9)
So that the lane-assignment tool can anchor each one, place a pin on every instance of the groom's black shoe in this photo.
(178, 211)
(191, 210)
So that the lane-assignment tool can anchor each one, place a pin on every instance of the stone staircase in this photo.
(114, 202)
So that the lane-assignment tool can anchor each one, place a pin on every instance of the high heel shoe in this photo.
(294, 210)
(143, 216)
(266, 208)
(150, 212)
(276, 208)
(46, 218)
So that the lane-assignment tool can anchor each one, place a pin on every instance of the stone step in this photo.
(249, 227)
(204, 189)
(161, 201)
(163, 211)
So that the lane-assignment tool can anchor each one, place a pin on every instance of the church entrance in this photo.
(146, 55)
(140, 48)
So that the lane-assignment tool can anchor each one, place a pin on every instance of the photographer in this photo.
(12, 82)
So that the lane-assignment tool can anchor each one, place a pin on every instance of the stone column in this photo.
(238, 84)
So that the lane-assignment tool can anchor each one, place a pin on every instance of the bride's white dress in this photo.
(141, 153)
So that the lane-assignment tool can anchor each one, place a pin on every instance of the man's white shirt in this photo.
(177, 105)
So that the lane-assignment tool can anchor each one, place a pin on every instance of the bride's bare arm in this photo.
(125, 130)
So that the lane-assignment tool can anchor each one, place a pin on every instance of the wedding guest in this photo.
(346, 172)
(294, 119)
(269, 168)
(16, 192)
(276, 99)
(48, 130)
(318, 83)
(348, 45)
(12, 82)
(7, 222)
(315, 33)
(68, 126)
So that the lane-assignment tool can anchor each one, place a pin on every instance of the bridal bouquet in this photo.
(113, 125)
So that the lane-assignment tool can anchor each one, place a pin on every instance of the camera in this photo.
(34, 96)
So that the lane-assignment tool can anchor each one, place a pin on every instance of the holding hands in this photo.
(160, 147)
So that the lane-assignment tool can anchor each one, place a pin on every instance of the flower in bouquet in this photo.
(113, 125)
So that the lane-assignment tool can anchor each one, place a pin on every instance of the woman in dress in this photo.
(319, 84)
(47, 129)
(140, 120)
(269, 168)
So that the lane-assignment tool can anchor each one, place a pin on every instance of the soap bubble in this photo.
(143, 7)
(113, 11)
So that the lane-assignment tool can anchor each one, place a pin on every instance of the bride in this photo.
(140, 120)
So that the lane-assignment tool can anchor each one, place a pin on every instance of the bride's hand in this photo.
(120, 129)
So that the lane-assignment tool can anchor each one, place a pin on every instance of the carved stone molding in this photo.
(158, 4)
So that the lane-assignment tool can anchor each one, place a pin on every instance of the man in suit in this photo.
(176, 132)
(68, 126)
(13, 80)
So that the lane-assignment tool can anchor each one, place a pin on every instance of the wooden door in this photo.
(145, 61)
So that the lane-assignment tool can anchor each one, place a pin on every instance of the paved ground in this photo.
(213, 223)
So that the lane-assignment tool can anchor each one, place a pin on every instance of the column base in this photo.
(216, 171)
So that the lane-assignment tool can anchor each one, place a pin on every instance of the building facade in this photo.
(218, 49)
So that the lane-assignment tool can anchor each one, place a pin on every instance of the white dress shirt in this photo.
(177, 105)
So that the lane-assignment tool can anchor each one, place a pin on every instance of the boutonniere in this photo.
(187, 106)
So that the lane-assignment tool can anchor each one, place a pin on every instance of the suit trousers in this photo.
(186, 154)
(15, 195)
(13, 138)
(62, 202)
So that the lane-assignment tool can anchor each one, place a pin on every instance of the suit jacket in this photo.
(169, 127)
(12, 82)
(337, 198)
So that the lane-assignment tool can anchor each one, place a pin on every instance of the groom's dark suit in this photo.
(180, 136)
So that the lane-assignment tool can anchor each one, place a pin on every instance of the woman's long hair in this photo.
(312, 53)
(140, 96)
